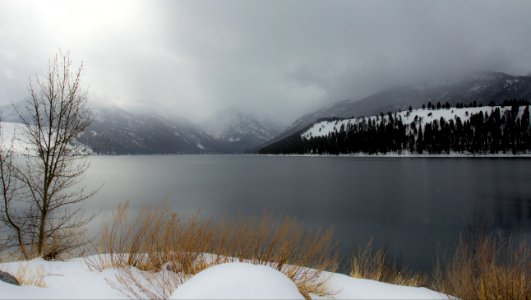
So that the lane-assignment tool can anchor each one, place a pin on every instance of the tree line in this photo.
(500, 131)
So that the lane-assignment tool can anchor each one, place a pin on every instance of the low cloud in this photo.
(277, 59)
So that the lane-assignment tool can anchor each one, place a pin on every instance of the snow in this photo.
(12, 134)
(72, 279)
(324, 128)
(69, 279)
(233, 139)
(233, 125)
(246, 281)
(408, 154)
(509, 82)
(346, 287)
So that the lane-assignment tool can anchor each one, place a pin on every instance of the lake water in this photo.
(411, 204)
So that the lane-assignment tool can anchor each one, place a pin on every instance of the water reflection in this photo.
(412, 205)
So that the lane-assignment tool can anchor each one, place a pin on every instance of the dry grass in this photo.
(27, 275)
(377, 264)
(160, 240)
(165, 250)
(488, 267)
(137, 284)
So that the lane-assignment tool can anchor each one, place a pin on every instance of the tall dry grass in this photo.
(374, 263)
(159, 239)
(489, 267)
(167, 249)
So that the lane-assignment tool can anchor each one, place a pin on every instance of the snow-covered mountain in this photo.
(116, 131)
(240, 132)
(482, 87)
(464, 130)
(421, 116)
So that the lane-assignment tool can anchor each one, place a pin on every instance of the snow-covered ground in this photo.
(72, 279)
(12, 135)
(324, 128)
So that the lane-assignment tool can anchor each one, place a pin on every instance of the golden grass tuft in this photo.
(489, 267)
(377, 264)
(158, 239)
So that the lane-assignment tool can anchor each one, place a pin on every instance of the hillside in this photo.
(239, 132)
(473, 130)
(482, 87)
(116, 131)
(12, 137)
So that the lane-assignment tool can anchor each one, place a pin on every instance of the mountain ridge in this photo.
(240, 132)
(482, 87)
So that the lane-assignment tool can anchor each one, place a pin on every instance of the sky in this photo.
(274, 59)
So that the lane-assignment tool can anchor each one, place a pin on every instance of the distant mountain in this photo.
(239, 132)
(116, 131)
(12, 137)
(482, 87)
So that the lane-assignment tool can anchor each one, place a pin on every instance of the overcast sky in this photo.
(277, 59)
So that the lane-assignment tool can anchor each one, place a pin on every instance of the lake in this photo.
(411, 204)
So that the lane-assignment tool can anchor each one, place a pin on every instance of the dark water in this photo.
(411, 204)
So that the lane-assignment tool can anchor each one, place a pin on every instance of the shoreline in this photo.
(352, 155)
(406, 155)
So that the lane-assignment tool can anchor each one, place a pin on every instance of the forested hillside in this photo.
(435, 129)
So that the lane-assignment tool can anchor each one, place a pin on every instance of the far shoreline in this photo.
(347, 155)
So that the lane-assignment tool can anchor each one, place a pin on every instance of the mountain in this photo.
(468, 130)
(482, 87)
(239, 132)
(424, 116)
(116, 131)
(12, 136)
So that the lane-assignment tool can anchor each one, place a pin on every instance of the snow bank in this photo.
(238, 281)
(69, 279)
(72, 279)
(346, 287)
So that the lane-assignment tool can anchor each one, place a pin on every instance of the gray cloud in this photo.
(275, 58)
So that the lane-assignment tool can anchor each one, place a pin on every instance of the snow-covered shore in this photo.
(407, 154)
(73, 279)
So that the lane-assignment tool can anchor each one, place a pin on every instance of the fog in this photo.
(277, 59)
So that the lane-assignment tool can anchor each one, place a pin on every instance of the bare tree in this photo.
(41, 193)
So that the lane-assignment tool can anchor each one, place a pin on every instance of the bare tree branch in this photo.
(42, 196)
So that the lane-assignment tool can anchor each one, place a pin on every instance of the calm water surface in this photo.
(411, 204)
